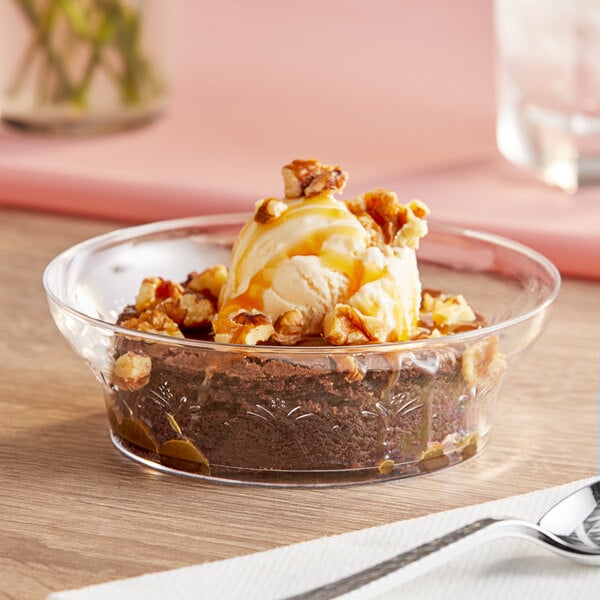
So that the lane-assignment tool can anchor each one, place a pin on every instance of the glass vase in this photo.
(83, 66)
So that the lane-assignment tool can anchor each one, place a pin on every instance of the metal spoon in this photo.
(570, 528)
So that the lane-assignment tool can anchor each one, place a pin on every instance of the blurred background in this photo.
(398, 93)
(379, 89)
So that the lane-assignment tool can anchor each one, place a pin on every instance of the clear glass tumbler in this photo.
(79, 66)
(548, 82)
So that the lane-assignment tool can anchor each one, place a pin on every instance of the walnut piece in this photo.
(344, 326)
(269, 209)
(434, 458)
(469, 445)
(415, 226)
(243, 328)
(388, 220)
(198, 310)
(386, 466)
(447, 311)
(333, 178)
(289, 327)
(154, 321)
(192, 309)
(348, 365)
(309, 178)
(154, 290)
(482, 362)
(172, 309)
(208, 282)
(132, 371)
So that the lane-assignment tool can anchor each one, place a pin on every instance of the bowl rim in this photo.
(129, 233)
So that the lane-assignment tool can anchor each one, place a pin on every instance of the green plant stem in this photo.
(108, 28)
(42, 25)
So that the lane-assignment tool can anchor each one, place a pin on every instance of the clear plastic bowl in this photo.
(300, 415)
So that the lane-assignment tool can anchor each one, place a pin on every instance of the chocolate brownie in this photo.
(263, 412)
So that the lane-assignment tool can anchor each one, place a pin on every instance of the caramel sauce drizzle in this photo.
(312, 245)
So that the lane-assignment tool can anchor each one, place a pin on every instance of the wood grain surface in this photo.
(74, 512)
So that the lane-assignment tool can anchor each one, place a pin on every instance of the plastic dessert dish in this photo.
(299, 414)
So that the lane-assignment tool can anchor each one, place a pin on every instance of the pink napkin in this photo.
(491, 195)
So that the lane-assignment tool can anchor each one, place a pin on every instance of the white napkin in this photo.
(504, 568)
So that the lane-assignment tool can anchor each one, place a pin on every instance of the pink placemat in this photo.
(400, 95)
(491, 195)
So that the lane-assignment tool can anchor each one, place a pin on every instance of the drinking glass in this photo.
(548, 88)
(73, 66)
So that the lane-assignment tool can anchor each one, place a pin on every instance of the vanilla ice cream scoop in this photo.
(346, 271)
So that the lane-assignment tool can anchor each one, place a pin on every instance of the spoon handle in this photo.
(438, 550)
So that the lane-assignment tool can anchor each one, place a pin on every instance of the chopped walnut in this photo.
(434, 458)
(172, 309)
(344, 326)
(208, 282)
(289, 327)
(415, 226)
(482, 362)
(386, 466)
(154, 290)
(243, 328)
(269, 209)
(199, 310)
(309, 178)
(333, 178)
(132, 371)
(348, 365)
(153, 321)
(192, 309)
(389, 221)
(469, 445)
(447, 311)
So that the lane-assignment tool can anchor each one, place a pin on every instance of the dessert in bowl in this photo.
(303, 344)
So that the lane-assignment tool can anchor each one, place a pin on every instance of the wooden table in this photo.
(74, 512)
